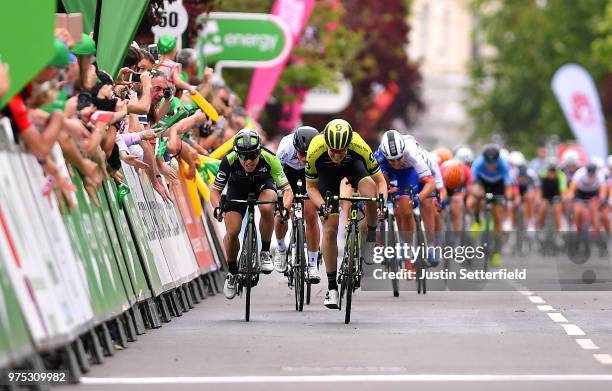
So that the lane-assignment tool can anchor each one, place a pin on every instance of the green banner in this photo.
(243, 39)
(133, 267)
(119, 21)
(27, 40)
(87, 8)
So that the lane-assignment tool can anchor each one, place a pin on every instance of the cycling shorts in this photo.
(329, 180)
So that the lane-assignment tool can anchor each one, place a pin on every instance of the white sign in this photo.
(174, 20)
(579, 100)
(323, 101)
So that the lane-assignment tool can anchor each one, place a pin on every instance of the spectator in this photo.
(167, 53)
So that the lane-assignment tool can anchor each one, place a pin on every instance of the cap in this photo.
(61, 54)
(87, 47)
(166, 44)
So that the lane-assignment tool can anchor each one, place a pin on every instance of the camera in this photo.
(167, 93)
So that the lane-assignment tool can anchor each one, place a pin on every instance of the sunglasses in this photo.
(248, 155)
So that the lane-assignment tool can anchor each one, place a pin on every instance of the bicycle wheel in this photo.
(300, 270)
(350, 273)
(390, 241)
(419, 264)
(250, 260)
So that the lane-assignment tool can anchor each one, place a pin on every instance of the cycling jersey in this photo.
(433, 166)
(586, 183)
(318, 160)
(411, 158)
(231, 171)
(287, 154)
(523, 178)
(552, 187)
(501, 173)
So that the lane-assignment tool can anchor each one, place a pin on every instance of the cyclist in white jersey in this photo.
(588, 186)
(292, 154)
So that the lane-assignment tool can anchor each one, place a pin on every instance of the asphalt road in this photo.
(501, 340)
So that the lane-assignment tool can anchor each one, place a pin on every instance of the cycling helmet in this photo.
(551, 164)
(302, 138)
(599, 163)
(392, 145)
(490, 153)
(517, 158)
(591, 168)
(465, 154)
(338, 134)
(247, 141)
(504, 154)
(570, 157)
(443, 154)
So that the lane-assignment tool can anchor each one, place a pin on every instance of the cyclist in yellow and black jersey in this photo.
(336, 154)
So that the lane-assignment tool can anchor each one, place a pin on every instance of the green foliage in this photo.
(510, 92)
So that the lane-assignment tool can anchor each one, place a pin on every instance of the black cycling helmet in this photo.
(302, 138)
(591, 168)
(490, 152)
(247, 141)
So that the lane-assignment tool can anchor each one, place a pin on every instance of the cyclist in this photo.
(336, 154)
(248, 168)
(588, 185)
(524, 179)
(491, 175)
(551, 185)
(400, 161)
(292, 155)
(457, 178)
(465, 154)
(570, 163)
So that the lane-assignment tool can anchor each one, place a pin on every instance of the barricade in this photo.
(77, 285)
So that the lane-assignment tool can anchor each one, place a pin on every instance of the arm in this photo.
(430, 186)
(38, 143)
(143, 105)
(314, 193)
(180, 127)
(381, 183)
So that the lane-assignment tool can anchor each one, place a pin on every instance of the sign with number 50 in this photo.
(173, 21)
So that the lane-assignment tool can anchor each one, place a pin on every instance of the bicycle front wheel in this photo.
(300, 270)
(349, 273)
(249, 272)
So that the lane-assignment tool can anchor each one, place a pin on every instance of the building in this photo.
(440, 40)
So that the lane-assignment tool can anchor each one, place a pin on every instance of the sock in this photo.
(233, 267)
(312, 258)
(332, 284)
(371, 236)
(265, 246)
(280, 243)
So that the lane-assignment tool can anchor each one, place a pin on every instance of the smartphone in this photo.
(143, 120)
(102, 116)
(134, 78)
(75, 26)
(153, 50)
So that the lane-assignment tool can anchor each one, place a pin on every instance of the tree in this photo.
(510, 92)
(383, 64)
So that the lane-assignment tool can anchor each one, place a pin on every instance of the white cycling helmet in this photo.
(392, 145)
(570, 157)
(517, 159)
(465, 154)
(504, 153)
(599, 162)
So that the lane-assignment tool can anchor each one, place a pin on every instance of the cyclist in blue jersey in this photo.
(491, 174)
(401, 162)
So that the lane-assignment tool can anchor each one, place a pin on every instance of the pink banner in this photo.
(295, 13)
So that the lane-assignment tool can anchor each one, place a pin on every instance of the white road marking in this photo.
(586, 343)
(345, 379)
(536, 300)
(546, 308)
(605, 359)
(572, 329)
(526, 293)
(557, 317)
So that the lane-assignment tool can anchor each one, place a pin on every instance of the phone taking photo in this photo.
(134, 78)
(143, 120)
(102, 116)
(153, 50)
